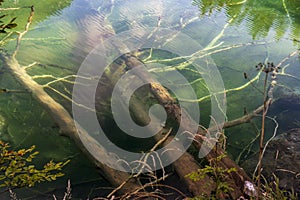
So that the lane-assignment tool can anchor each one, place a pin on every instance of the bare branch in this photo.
(21, 34)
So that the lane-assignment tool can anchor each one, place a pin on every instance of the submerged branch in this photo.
(64, 120)
(197, 55)
(181, 117)
(249, 83)
(21, 34)
(6, 9)
(266, 145)
(245, 118)
(212, 43)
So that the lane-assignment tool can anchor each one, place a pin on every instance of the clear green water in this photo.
(63, 32)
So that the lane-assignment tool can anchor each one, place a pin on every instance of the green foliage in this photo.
(8, 25)
(260, 16)
(219, 175)
(16, 170)
(272, 191)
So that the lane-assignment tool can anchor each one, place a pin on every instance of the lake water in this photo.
(235, 35)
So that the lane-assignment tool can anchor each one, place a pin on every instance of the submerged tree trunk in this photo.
(184, 165)
(67, 126)
(237, 178)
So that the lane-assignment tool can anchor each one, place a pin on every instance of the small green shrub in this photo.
(219, 175)
(16, 170)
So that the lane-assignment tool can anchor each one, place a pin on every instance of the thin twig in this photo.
(145, 186)
(144, 163)
(5, 38)
(13, 195)
(153, 150)
(68, 195)
(262, 135)
(267, 143)
(5, 9)
(21, 34)
(172, 188)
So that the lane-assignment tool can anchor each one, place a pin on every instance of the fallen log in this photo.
(67, 127)
(186, 163)
(63, 119)
(237, 178)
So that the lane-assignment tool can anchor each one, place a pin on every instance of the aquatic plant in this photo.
(269, 69)
(219, 174)
(273, 191)
(17, 170)
(8, 25)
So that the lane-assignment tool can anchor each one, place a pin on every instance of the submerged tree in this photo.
(16, 168)
(130, 184)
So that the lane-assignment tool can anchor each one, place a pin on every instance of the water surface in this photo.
(243, 34)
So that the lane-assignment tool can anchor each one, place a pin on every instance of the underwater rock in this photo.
(281, 158)
(286, 109)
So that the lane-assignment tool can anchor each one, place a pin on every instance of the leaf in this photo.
(2, 16)
(2, 177)
(21, 152)
(59, 174)
(12, 20)
(10, 26)
(16, 171)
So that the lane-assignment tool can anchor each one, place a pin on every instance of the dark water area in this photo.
(234, 36)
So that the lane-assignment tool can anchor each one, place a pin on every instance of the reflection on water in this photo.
(260, 17)
(237, 35)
